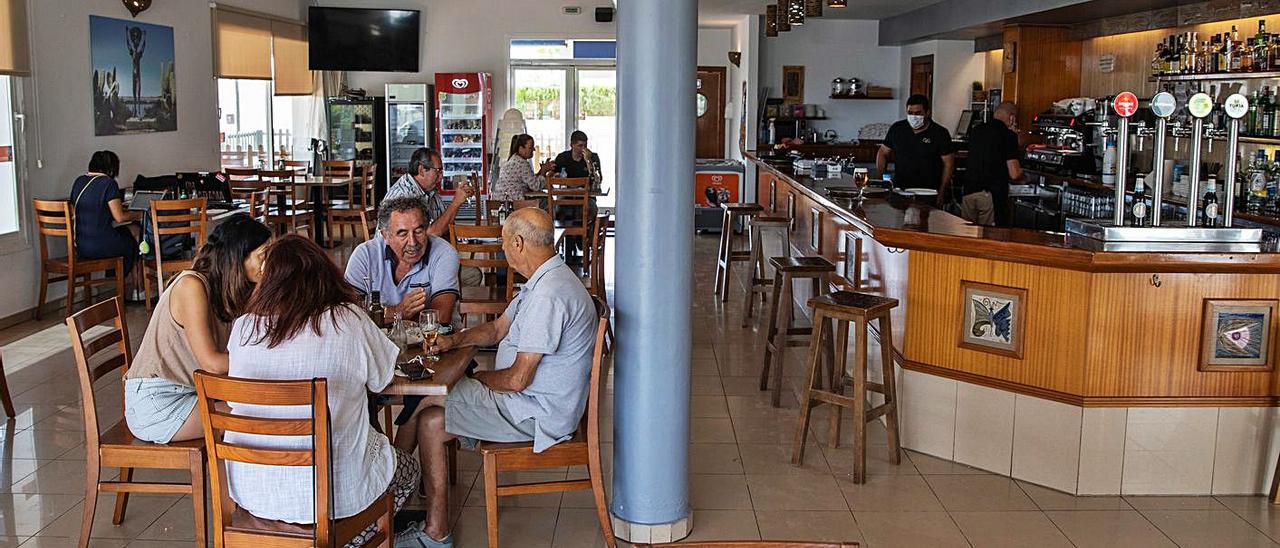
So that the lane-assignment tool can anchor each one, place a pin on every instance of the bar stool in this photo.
(770, 237)
(781, 334)
(844, 307)
(727, 255)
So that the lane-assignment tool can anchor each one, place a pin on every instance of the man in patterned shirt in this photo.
(423, 182)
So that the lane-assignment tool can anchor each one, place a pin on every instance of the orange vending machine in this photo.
(715, 182)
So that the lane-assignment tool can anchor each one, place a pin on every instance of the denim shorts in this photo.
(156, 408)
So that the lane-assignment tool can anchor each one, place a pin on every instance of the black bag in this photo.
(172, 246)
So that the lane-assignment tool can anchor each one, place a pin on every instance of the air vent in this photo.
(572, 10)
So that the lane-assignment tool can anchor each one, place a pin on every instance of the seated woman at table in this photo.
(516, 176)
(302, 322)
(98, 205)
(188, 331)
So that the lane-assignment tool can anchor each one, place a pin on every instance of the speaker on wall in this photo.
(604, 15)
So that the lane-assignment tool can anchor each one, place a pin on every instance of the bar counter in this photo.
(1103, 340)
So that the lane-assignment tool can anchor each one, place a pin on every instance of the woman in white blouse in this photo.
(516, 176)
(301, 323)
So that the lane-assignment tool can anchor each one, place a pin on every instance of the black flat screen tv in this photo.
(354, 39)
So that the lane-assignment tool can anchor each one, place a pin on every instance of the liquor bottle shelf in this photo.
(1214, 76)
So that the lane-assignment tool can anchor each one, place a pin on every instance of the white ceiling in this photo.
(715, 12)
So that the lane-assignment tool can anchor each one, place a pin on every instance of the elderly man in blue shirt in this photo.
(412, 269)
(538, 389)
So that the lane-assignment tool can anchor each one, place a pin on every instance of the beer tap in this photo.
(1125, 104)
(1163, 105)
(1200, 105)
(1236, 106)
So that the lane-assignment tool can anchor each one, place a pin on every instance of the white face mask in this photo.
(916, 122)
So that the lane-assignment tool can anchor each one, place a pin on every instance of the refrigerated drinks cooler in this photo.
(463, 104)
(356, 132)
(715, 182)
(409, 125)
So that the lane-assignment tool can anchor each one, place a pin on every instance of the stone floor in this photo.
(741, 483)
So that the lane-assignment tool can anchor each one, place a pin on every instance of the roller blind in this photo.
(244, 46)
(15, 51)
(292, 77)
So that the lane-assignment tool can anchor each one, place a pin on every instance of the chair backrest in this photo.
(360, 189)
(596, 256)
(482, 254)
(772, 236)
(55, 219)
(278, 175)
(491, 208)
(755, 544)
(187, 217)
(337, 168)
(259, 202)
(570, 193)
(236, 174)
(297, 166)
(86, 351)
(213, 390)
(596, 384)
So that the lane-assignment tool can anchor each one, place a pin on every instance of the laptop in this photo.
(142, 199)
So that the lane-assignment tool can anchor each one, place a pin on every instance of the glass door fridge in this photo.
(356, 132)
(409, 125)
(463, 104)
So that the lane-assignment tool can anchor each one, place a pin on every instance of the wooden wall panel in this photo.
(1145, 340)
(1047, 67)
(1054, 350)
(993, 69)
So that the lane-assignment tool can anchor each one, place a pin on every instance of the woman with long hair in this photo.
(188, 331)
(516, 177)
(98, 204)
(303, 323)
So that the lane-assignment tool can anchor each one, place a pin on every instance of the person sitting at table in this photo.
(578, 161)
(538, 389)
(188, 331)
(411, 269)
(423, 182)
(302, 322)
(516, 177)
(98, 206)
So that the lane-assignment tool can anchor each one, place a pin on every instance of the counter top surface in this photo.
(899, 221)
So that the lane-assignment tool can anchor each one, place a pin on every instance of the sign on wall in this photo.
(134, 81)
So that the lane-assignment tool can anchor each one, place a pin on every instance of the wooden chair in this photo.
(357, 212)
(5, 398)
(116, 447)
(56, 219)
(492, 297)
(242, 180)
(173, 217)
(259, 205)
(582, 449)
(301, 167)
(595, 269)
(754, 544)
(571, 194)
(339, 169)
(292, 210)
(491, 208)
(234, 527)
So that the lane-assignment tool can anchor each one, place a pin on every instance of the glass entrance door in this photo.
(597, 116)
(540, 95)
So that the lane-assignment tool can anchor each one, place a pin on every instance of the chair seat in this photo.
(742, 207)
(344, 529)
(761, 220)
(349, 208)
(483, 294)
(60, 264)
(849, 301)
(520, 456)
(802, 264)
(119, 448)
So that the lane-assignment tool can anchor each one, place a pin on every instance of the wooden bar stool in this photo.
(843, 308)
(781, 334)
(770, 237)
(727, 255)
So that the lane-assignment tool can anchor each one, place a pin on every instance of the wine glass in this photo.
(860, 179)
(430, 326)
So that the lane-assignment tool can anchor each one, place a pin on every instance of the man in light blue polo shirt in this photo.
(538, 389)
(412, 269)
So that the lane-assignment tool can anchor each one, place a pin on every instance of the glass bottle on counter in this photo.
(376, 312)
(1236, 60)
(1139, 206)
(1210, 202)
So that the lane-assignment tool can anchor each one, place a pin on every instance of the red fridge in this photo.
(464, 105)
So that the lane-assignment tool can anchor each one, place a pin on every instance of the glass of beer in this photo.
(860, 179)
(430, 326)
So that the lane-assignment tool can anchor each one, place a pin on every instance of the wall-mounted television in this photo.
(354, 39)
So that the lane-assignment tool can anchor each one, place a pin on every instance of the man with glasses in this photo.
(423, 182)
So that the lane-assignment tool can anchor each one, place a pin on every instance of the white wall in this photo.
(714, 45)
(955, 68)
(828, 48)
(59, 131)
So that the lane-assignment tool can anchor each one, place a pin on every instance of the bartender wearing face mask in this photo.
(922, 151)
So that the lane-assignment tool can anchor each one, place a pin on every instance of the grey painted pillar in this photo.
(657, 67)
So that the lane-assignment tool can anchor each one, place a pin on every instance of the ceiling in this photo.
(715, 12)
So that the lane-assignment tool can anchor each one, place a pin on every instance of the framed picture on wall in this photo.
(793, 84)
(1236, 335)
(134, 80)
(852, 258)
(992, 318)
(815, 230)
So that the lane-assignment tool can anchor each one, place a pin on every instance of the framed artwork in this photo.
(852, 255)
(773, 196)
(134, 82)
(1010, 57)
(793, 84)
(993, 318)
(815, 230)
(1236, 335)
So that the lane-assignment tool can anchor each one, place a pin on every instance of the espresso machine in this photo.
(1067, 147)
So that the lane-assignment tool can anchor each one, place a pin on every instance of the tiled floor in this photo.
(742, 485)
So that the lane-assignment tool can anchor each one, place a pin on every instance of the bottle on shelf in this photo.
(1210, 202)
(1259, 174)
(1139, 206)
(1236, 57)
(376, 312)
(1272, 187)
(1251, 120)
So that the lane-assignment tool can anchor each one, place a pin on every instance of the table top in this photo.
(595, 193)
(307, 181)
(449, 370)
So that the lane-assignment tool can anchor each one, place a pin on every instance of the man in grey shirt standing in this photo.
(538, 389)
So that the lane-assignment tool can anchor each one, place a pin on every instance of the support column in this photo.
(657, 67)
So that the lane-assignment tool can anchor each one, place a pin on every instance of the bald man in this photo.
(992, 165)
(538, 388)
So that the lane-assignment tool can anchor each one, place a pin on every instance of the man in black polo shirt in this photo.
(992, 165)
(922, 152)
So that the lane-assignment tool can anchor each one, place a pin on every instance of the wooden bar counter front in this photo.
(1134, 373)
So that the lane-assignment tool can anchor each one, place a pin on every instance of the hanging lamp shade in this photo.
(837, 3)
(795, 12)
(813, 8)
(783, 18)
(771, 20)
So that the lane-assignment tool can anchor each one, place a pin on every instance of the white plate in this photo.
(921, 191)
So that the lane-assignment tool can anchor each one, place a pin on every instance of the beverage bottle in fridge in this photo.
(1139, 207)
(1210, 202)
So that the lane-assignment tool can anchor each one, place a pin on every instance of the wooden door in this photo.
(710, 112)
(922, 76)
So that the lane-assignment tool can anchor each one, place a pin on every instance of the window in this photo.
(259, 129)
(9, 195)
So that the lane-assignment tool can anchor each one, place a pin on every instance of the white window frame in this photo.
(20, 241)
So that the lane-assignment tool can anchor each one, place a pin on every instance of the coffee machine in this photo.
(1067, 143)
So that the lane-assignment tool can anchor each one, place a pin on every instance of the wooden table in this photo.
(449, 370)
(558, 230)
(315, 187)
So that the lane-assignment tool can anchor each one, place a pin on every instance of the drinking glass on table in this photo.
(430, 326)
